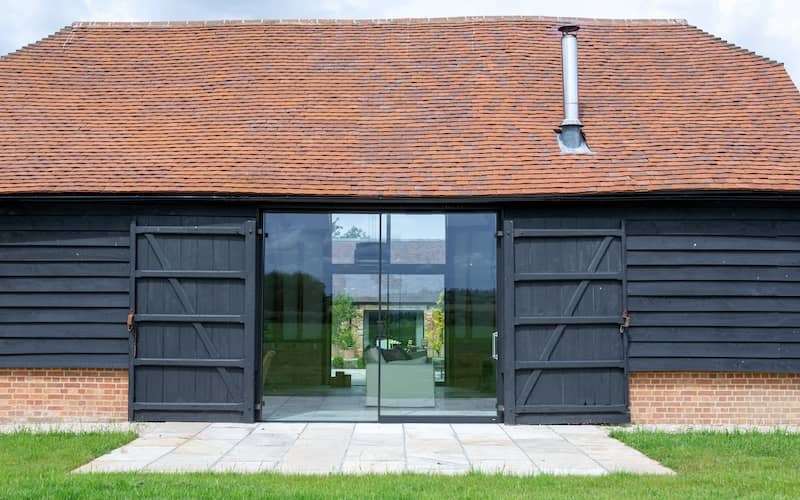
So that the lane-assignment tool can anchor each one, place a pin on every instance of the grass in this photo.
(709, 465)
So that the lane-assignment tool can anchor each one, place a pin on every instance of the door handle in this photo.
(494, 345)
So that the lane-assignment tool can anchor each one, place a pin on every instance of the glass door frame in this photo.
(383, 210)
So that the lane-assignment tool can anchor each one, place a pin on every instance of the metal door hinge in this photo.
(499, 233)
(258, 406)
(626, 322)
(259, 231)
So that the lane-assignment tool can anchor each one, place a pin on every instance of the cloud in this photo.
(768, 27)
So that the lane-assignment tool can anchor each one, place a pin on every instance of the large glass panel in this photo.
(369, 315)
(439, 318)
(318, 277)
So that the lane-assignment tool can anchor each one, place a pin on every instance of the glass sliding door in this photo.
(370, 315)
(320, 274)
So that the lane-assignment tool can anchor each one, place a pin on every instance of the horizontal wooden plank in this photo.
(64, 238)
(189, 406)
(570, 409)
(712, 334)
(191, 274)
(565, 233)
(712, 304)
(573, 418)
(210, 363)
(734, 319)
(57, 269)
(567, 365)
(64, 361)
(195, 230)
(190, 318)
(733, 225)
(567, 276)
(95, 221)
(567, 320)
(63, 315)
(714, 288)
(713, 273)
(698, 242)
(65, 299)
(64, 254)
(711, 258)
(64, 330)
(711, 364)
(62, 346)
(715, 350)
(65, 284)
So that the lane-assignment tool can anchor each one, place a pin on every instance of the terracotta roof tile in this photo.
(397, 108)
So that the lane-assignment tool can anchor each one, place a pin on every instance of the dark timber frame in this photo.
(580, 387)
(152, 402)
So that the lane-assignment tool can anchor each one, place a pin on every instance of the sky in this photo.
(768, 27)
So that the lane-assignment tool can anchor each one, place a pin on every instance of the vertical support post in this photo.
(132, 302)
(248, 414)
(508, 334)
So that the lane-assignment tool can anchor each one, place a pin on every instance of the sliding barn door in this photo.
(192, 322)
(564, 348)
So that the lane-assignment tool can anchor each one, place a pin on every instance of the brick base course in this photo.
(63, 395)
(703, 398)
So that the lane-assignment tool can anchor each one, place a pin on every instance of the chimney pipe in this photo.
(570, 137)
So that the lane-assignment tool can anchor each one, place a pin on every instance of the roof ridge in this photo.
(736, 47)
(410, 20)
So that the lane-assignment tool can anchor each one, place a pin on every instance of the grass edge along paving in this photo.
(708, 464)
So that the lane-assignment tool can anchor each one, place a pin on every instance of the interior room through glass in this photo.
(370, 316)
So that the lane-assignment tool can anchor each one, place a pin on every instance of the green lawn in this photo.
(717, 465)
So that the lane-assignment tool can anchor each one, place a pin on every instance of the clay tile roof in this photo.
(396, 108)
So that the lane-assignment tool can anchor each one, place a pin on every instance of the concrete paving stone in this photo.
(282, 428)
(173, 429)
(112, 466)
(248, 451)
(491, 435)
(324, 448)
(163, 441)
(375, 453)
(220, 433)
(237, 466)
(373, 467)
(368, 428)
(494, 452)
(523, 468)
(205, 447)
(530, 432)
(428, 431)
(143, 454)
(555, 462)
(183, 463)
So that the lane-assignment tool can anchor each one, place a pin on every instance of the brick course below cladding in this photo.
(705, 398)
(63, 395)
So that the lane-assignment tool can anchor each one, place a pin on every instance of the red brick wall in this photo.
(63, 394)
(705, 398)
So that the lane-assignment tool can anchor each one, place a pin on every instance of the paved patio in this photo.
(323, 448)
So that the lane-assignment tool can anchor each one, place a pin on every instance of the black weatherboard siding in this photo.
(709, 286)
(63, 287)
(715, 291)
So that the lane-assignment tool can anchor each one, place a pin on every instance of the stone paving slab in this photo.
(333, 448)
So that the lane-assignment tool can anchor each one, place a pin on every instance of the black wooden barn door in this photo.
(564, 348)
(192, 324)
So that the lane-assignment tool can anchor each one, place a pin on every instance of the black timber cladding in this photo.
(193, 337)
(563, 348)
(63, 287)
(715, 291)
